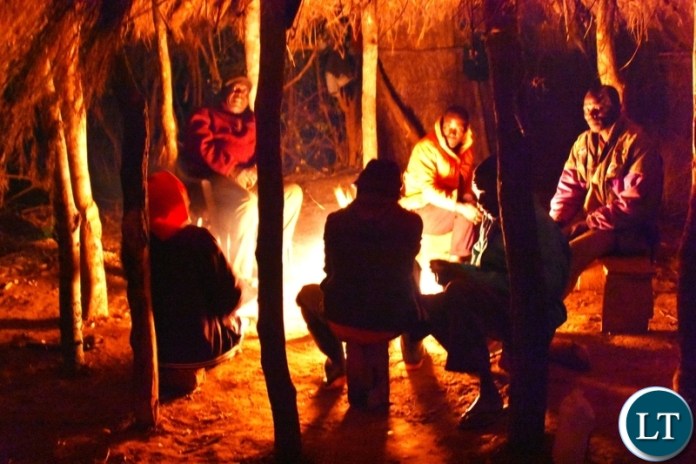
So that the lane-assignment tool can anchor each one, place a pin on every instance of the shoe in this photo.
(479, 414)
(570, 354)
(413, 353)
(334, 374)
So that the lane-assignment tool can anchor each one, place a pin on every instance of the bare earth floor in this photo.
(46, 417)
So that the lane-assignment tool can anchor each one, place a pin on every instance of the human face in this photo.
(237, 99)
(599, 112)
(453, 129)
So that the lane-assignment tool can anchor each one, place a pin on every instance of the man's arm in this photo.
(636, 194)
(571, 190)
(423, 171)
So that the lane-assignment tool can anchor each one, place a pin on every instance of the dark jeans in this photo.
(462, 318)
(591, 244)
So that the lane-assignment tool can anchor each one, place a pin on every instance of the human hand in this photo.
(247, 177)
(578, 229)
(470, 212)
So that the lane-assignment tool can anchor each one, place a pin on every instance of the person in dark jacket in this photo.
(194, 292)
(475, 303)
(370, 248)
(219, 146)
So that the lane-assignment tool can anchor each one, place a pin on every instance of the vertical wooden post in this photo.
(685, 376)
(370, 55)
(68, 232)
(281, 391)
(530, 340)
(171, 152)
(135, 250)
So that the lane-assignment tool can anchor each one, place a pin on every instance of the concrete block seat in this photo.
(367, 365)
(625, 283)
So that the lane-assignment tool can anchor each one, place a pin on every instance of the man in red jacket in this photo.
(220, 146)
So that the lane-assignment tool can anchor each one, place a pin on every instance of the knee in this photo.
(309, 300)
(293, 196)
(248, 211)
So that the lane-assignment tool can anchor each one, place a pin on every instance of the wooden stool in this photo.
(627, 298)
(367, 371)
(367, 365)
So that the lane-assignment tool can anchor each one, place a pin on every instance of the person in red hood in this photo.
(220, 145)
(194, 292)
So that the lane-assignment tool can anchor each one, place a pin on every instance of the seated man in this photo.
(476, 301)
(613, 181)
(437, 182)
(194, 293)
(370, 251)
(220, 146)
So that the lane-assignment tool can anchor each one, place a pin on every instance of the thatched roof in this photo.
(34, 31)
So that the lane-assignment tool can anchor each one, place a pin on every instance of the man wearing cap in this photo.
(220, 146)
(370, 247)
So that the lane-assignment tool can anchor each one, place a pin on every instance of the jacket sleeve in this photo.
(636, 191)
(571, 190)
(423, 172)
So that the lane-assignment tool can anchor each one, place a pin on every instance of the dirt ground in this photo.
(46, 417)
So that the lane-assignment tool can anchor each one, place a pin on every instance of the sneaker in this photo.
(334, 374)
(413, 353)
(482, 414)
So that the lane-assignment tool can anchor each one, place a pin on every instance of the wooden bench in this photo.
(367, 365)
(627, 294)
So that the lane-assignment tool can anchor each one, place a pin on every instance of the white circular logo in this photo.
(655, 424)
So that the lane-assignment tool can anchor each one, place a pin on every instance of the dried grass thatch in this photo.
(34, 31)
(321, 22)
